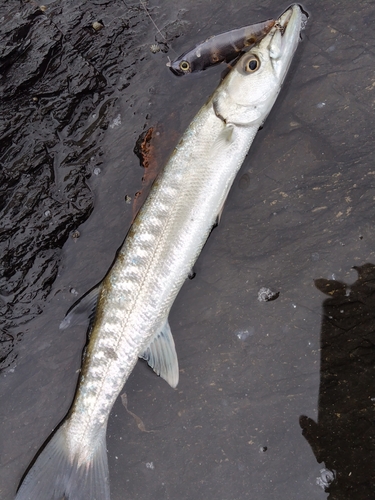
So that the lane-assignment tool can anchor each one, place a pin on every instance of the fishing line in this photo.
(157, 29)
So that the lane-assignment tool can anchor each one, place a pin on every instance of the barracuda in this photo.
(159, 252)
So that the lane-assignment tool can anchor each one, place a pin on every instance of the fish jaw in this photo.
(246, 97)
(284, 41)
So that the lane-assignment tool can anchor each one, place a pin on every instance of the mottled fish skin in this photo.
(156, 258)
(223, 47)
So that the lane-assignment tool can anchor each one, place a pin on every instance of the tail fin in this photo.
(55, 476)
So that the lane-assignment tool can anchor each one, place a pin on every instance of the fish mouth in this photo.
(283, 39)
(287, 15)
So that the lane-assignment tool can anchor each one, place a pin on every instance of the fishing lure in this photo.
(223, 47)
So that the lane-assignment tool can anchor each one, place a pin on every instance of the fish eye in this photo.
(252, 64)
(184, 66)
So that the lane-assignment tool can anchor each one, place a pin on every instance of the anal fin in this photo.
(161, 355)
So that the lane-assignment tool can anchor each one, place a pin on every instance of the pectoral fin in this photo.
(161, 355)
(84, 308)
(218, 217)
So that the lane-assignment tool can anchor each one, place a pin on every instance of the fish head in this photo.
(247, 94)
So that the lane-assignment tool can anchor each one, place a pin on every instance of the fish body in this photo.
(218, 48)
(159, 251)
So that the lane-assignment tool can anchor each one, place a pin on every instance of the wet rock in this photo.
(56, 73)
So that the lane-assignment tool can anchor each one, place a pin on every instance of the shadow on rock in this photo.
(344, 436)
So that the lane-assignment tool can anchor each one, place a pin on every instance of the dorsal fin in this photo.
(84, 308)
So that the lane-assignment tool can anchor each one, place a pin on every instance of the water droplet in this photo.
(116, 122)
(245, 334)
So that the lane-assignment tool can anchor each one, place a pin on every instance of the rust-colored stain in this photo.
(151, 148)
(145, 150)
